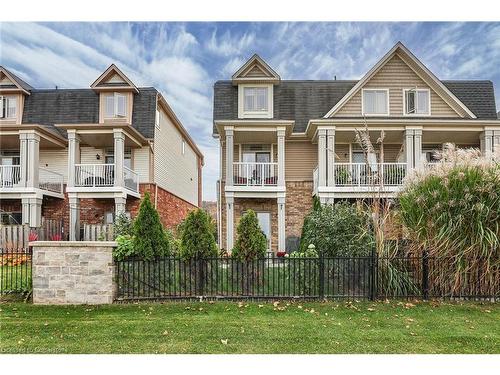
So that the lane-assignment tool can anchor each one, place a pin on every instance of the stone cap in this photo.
(73, 243)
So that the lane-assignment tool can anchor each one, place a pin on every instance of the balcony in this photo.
(10, 178)
(103, 176)
(364, 174)
(255, 174)
(50, 181)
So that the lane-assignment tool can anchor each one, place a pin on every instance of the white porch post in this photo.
(417, 147)
(321, 157)
(25, 204)
(119, 156)
(331, 157)
(496, 140)
(30, 143)
(409, 150)
(229, 223)
(229, 130)
(73, 155)
(120, 204)
(281, 157)
(23, 153)
(35, 212)
(281, 224)
(74, 217)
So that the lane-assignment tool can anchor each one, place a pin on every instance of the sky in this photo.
(183, 60)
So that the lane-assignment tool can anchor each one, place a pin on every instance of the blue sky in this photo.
(183, 60)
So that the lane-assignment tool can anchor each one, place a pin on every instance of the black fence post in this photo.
(425, 275)
(374, 276)
(321, 275)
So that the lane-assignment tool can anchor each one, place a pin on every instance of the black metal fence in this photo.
(360, 278)
(15, 271)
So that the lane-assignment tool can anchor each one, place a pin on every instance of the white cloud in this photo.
(228, 44)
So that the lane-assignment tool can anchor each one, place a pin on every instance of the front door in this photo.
(265, 225)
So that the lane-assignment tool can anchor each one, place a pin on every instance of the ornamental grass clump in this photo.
(452, 210)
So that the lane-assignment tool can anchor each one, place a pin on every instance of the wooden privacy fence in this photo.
(16, 237)
(98, 232)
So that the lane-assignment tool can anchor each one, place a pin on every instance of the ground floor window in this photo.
(10, 218)
(265, 224)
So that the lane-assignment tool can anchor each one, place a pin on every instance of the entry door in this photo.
(357, 168)
(263, 171)
(265, 225)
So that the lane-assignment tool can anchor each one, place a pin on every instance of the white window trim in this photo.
(9, 97)
(416, 114)
(258, 114)
(115, 109)
(388, 110)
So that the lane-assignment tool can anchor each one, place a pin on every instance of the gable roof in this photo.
(255, 65)
(77, 106)
(425, 74)
(18, 82)
(306, 100)
(100, 83)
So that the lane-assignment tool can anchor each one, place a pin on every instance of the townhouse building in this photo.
(282, 142)
(86, 155)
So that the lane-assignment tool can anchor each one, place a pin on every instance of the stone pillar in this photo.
(321, 157)
(74, 218)
(119, 156)
(281, 157)
(120, 204)
(229, 154)
(331, 157)
(229, 223)
(23, 153)
(281, 225)
(73, 155)
(417, 147)
(409, 149)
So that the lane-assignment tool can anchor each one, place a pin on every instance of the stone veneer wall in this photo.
(73, 272)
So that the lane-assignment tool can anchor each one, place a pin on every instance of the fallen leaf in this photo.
(261, 306)
(223, 341)
(370, 309)
(165, 333)
(275, 304)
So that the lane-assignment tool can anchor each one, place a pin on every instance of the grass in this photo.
(299, 327)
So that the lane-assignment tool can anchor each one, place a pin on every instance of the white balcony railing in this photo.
(131, 179)
(94, 175)
(363, 174)
(255, 174)
(10, 176)
(50, 180)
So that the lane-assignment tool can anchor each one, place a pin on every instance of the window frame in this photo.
(242, 113)
(7, 99)
(115, 95)
(405, 90)
(388, 110)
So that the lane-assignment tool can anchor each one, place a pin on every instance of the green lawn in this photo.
(229, 327)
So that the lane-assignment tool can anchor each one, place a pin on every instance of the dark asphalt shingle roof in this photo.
(21, 82)
(77, 106)
(305, 100)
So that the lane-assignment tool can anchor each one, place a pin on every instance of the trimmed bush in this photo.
(149, 237)
(251, 242)
(197, 236)
(341, 229)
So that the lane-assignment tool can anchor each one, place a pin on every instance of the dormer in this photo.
(12, 92)
(116, 96)
(255, 81)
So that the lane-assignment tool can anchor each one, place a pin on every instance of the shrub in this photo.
(341, 229)
(304, 266)
(149, 237)
(451, 210)
(251, 242)
(197, 239)
(122, 225)
(124, 248)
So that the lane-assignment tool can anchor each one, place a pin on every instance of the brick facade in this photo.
(298, 204)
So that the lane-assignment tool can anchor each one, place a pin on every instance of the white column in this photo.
(73, 155)
(23, 153)
(25, 204)
(74, 218)
(35, 212)
(331, 157)
(321, 157)
(417, 147)
(486, 142)
(119, 156)
(281, 157)
(409, 150)
(229, 223)
(229, 155)
(281, 225)
(31, 162)
(496, 141)
(120, 204)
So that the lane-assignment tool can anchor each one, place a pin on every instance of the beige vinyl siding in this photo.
(88, 155)
(141, 162)
(301, 157)
(391, 152)
(173, 171)
(396, 75)
(55, 161)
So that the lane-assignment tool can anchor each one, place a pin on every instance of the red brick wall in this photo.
(171, 208)
(10, 205)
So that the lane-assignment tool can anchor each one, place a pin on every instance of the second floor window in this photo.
(8, 107)
(255, 99)
(115, 105)
(375, 102)
(417, 102)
